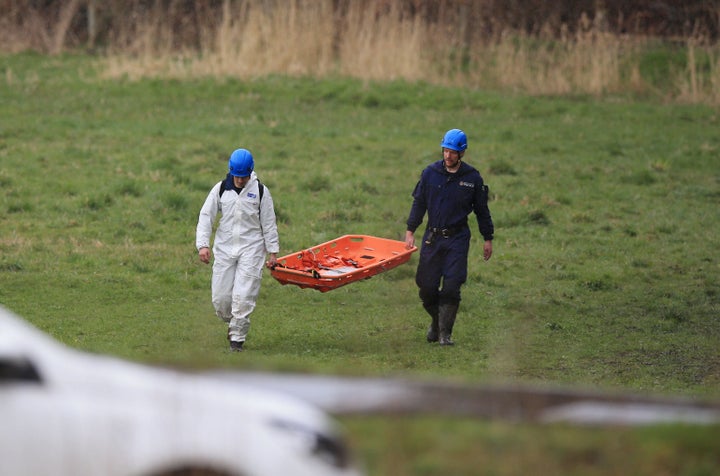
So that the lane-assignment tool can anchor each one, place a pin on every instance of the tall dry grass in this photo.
(589, 61)
(700, 85)
(304, 38)
(386, 46)
(379, 40)
(248, 41)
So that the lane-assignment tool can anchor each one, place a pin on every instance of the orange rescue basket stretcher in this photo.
(341, 261)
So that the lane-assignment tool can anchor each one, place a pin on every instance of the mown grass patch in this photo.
(604, 275)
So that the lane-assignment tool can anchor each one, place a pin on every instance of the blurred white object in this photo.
(376, 396)
(64, 412)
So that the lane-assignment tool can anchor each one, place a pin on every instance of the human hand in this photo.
(487, 250)
(204, 255)
(409, 239)
(272, 261)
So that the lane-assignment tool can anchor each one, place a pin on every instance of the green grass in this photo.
(426, 446)
(605, 271)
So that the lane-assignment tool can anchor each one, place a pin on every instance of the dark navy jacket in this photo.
(449, 198)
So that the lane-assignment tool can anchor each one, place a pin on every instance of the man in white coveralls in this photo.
(246, 233)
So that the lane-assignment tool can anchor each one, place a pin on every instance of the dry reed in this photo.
(380, 41)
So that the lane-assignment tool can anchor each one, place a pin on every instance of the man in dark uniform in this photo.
(448, 190)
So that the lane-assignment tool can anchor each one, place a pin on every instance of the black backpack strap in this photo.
(261, 188)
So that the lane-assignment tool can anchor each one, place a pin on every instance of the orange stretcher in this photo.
(341, 261)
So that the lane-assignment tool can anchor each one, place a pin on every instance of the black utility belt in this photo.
(445, 232)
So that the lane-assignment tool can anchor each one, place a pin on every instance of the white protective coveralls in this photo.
(246, 232)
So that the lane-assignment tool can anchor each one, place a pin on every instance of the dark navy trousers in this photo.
(443, 267)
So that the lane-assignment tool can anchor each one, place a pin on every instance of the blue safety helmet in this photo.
(241, 163)
(454, 139)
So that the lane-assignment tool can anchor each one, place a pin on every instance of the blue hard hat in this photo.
(454, 139)
(241, 163)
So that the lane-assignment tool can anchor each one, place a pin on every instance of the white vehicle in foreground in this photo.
(64, 412)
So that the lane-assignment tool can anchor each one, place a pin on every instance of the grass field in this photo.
(605, 271)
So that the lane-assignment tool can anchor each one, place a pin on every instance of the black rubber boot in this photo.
(446, 321)
(432, 333)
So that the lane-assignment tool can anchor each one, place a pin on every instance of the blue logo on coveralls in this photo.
(251, 195)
